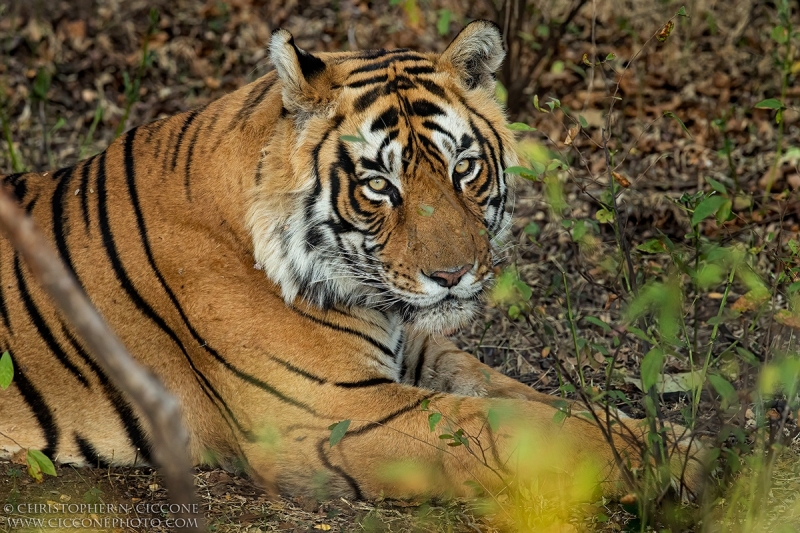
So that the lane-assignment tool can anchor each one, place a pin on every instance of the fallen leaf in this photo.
(750, 300)
(788, 318)
(571, 134)
(622, 180)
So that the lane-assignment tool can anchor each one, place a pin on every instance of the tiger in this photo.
(292, 256)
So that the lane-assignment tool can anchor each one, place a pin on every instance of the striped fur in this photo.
(284, 258)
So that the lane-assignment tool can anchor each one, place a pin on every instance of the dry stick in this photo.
(170, 439)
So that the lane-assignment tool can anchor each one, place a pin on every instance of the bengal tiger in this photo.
(291, 256)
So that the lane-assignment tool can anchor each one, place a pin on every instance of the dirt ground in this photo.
(65, 67)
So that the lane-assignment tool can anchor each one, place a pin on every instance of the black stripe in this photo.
(90, 453)
(254, 97)
(420, 363)
(382, 78)
(188, 168)
(19, 185)
(399, 58)
(363, 102)
(432, 88)
(388, 418)
(386, 120)
(297, 370)
(357, 494)
(424, 108)
(165, 159)
(133, 294)
(421, 69)
(42, 328)
(322, 381)
(130, 178)
(131, 422)
(363, 383)
(186, 125)
(344, 329)
(40, 410)
(380, 52)
(258, 170)
(84, 192)
(3, 305)
(60, 227)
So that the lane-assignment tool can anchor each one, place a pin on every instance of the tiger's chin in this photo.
(443, 318)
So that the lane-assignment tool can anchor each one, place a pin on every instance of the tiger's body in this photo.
(285, 258)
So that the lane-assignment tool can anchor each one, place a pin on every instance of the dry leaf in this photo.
(571, 134)
(621, 180)
(788, 319)
(628, 499)
(750, 300)
(664, 32)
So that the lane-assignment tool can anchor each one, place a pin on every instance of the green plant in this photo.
(665, 287)
(132, 87)
(787, 38)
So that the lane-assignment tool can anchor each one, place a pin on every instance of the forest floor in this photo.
(684, 111)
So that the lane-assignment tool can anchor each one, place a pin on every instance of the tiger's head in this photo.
(384, 182)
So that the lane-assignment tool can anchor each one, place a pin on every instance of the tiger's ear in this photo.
(299, 71)
(475, 54)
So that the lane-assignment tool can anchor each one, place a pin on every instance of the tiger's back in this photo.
(284, 258)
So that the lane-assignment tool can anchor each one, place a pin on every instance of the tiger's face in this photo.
(399, 199)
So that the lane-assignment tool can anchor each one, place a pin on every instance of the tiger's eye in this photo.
(463, 166)
(377, 184)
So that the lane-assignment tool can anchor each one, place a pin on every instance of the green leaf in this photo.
(636, 332)
(582, 121)
(706, 208)
(493, 417)
(682, 12)
(651, 367)
(611, 56)
(337, 431)
(717, 186)
(520, 126)
(60, 123)
(532, 229)
(780, 35)
(604, 216)
(793, 288)
(770, 103)
(425, 210)
(424, 404)
(559, 416)
(523, 289)
(724, 211)
(352, 139)
(536, 103)
(652, 246)
(500, 92)
(434, 419)
(44, 462)
(6, 370)
(670, 114)
(578, 230)
(524, 172)
(723, 387)
(443, 24)
(597, 322)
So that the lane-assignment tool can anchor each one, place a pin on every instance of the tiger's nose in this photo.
(448, 278)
